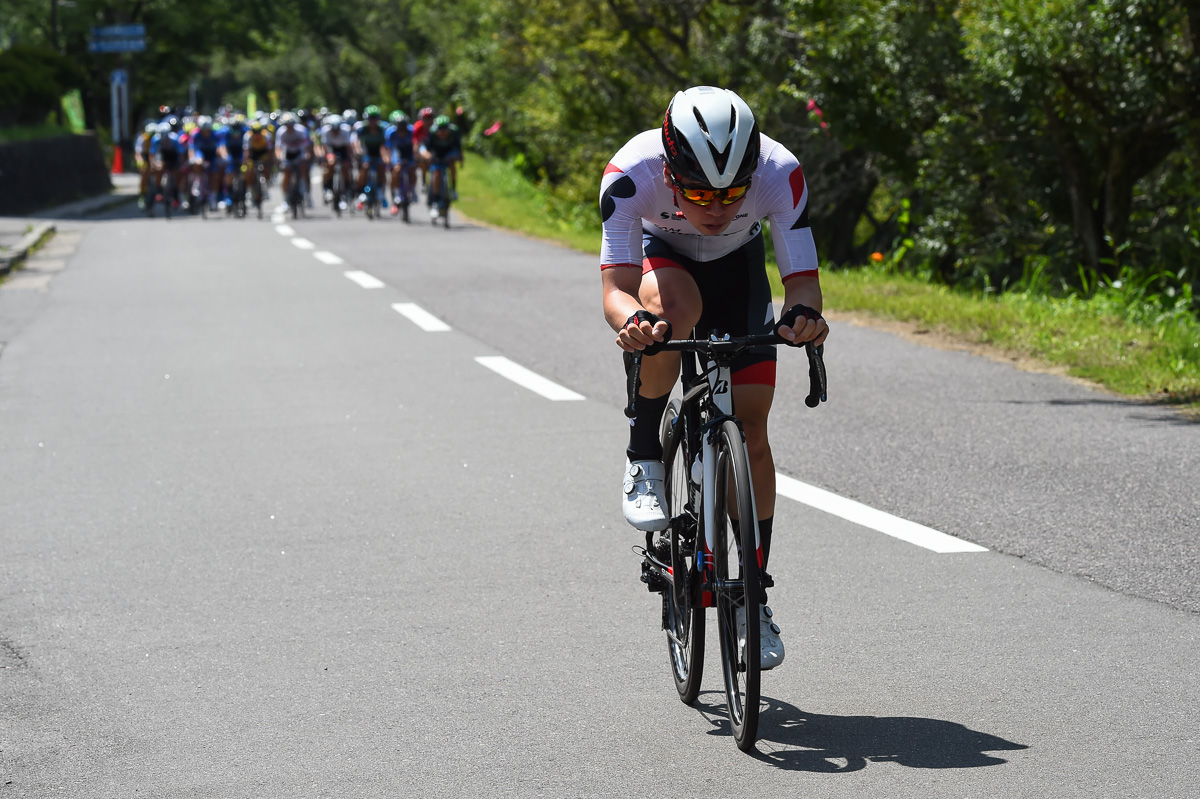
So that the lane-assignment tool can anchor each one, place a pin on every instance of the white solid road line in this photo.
(303, 244)
(365, 280)
(527, 379)
(869, 517)
(420, 317)
(327, 258)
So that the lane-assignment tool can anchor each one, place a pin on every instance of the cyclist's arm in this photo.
(620, 284)
(804, 289)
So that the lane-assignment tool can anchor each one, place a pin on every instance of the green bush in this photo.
(32, 81)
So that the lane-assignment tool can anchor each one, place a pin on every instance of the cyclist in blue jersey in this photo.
(399, 139)
(202, 147)
(168, 156)
(232, 136)
(368, 143)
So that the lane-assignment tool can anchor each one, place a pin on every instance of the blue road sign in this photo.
(116, 45)
(119, 32)
(119, 77)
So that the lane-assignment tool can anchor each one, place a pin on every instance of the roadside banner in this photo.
(72, 105)
(251, 105)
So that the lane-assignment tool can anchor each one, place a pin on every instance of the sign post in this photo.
(118, 84)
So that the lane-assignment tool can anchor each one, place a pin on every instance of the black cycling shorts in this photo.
(736, 295)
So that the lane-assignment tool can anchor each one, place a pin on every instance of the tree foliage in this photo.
(979, 139)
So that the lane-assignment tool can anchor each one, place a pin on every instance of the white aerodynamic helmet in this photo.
(710, 137)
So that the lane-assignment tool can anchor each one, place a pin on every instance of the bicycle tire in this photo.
(169, 197)
(739, 663)
(683, 613)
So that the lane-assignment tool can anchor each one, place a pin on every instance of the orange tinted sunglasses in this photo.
(706, 196)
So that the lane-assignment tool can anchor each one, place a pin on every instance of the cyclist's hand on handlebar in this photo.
(801, 325)
(642, 332)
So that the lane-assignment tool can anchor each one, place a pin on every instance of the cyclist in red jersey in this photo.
(420, 132)
(682, 209)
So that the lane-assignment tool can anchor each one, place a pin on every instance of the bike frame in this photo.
(714, 386)
(708, 393)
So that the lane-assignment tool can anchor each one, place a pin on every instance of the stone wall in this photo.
(44, 172)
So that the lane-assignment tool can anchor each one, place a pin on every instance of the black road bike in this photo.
(710, 555)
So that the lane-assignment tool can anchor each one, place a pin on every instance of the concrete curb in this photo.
(92, 205)
(27, 242)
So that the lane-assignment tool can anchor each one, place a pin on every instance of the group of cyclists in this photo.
(193, 160)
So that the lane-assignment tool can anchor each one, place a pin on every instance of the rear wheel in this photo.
(169, 196)
(683, 614)
(737, 585)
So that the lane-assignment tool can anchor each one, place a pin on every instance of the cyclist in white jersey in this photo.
(292, 144)
(682, 209)
(335, 138)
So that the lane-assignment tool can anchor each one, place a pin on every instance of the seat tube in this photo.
(722, 398)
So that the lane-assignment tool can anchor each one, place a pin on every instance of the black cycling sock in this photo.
(644, 429)
(764, 538)
(765, 527)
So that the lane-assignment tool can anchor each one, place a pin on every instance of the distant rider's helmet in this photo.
(426, 113)
(372, 112)
(333, 120)
(204, 123)
(441, 123)
(396, 117)
(710, 138)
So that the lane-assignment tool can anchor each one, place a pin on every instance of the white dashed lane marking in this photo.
(827, 501)
(420, 317)
(365, 280)
(527, 379)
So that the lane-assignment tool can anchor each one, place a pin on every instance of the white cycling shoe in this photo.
(769, 644)
(644, 501)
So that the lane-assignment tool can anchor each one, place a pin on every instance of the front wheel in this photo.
(737, 577)
(683, 613)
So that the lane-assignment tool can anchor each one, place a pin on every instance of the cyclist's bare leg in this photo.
(672, 294)
(752, 403)
(436, 180)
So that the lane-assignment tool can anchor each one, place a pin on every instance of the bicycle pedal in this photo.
(655, 584)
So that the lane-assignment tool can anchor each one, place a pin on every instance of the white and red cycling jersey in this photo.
(634, 199)
(293, 139)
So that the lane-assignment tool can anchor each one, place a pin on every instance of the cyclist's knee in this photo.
(672, 294)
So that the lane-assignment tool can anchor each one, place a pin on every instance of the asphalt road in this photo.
(262, 535)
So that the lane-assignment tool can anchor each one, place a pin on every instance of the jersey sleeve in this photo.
(795, 250)
(621, 241)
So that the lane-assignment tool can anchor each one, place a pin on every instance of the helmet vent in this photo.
(720, 158)
(700, 120)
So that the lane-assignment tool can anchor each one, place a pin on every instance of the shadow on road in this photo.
(1165, 401)
(795, 740)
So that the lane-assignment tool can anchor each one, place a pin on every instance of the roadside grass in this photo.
(495, 192)
(1117, 338)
